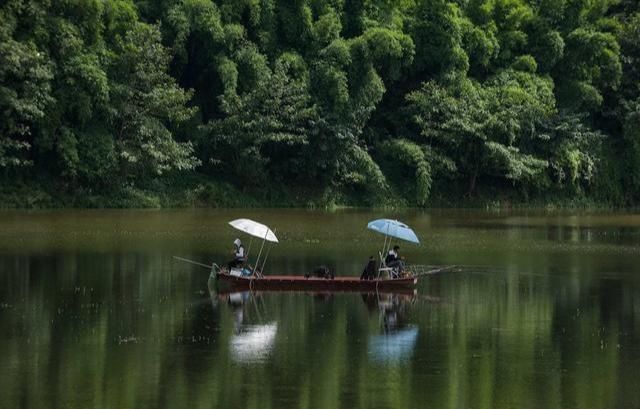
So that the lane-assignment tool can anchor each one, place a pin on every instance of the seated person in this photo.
(238, 255)
(394, 260)
(369, 271)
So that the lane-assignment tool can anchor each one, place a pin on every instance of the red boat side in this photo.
(300, 283)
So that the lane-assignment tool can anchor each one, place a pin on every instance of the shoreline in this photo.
(199, 192)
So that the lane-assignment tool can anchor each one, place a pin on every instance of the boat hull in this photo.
(299, 283)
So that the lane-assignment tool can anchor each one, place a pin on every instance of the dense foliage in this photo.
(349, 101)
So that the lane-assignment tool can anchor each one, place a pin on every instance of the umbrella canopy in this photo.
(255, 229)
(393, 228)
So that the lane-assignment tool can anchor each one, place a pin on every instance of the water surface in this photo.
(544, 313)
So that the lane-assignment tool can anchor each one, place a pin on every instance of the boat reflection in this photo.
(397, 338)
(254, 343)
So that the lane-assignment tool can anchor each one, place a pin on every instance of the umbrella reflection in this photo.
(398, 339)
(253, 344)
(249, 343)
(393, 347)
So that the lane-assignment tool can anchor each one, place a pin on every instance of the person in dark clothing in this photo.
(369, 271)
(392, 256)
(394, 260)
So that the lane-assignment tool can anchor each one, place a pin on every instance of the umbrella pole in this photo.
(260, 252)
(384, 246)
(266, 257)
(246, 256)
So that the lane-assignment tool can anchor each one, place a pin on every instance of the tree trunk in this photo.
(472, 181)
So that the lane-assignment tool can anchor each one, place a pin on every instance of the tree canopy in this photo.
(358, 101)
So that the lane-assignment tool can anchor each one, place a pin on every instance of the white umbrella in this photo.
(252, 228)
(255, 229)
(259, 230)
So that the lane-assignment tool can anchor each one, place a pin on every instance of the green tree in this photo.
(367, 99)
(437, 29)
(145, 105)
(591, 64)
(631, 140)
(267, 130)
(80, 85)
(25, 75)
(484, 128)
(628, 104)
(573, 149)
(413, 165)
(629, 40)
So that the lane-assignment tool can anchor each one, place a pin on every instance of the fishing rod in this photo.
(186, 260)
(421, 270)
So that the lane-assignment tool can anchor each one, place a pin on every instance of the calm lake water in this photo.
(544, 312)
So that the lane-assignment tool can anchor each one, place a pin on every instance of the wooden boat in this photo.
(225, 291)
(301, 283)
(389, 278)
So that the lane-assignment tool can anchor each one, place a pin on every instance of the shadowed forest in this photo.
(147, 103)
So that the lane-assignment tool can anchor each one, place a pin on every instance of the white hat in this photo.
(237, 242)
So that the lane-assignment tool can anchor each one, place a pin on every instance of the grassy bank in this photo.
(187, 190)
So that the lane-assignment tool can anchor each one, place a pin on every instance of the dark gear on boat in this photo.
(369, 271)
(320, 271)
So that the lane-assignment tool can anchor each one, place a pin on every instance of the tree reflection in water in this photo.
(94, 313)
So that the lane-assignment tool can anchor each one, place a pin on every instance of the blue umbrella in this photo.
(393, 228)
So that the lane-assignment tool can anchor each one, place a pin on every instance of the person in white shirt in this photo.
(238, 255)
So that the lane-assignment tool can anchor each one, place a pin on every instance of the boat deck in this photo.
(301, 283)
